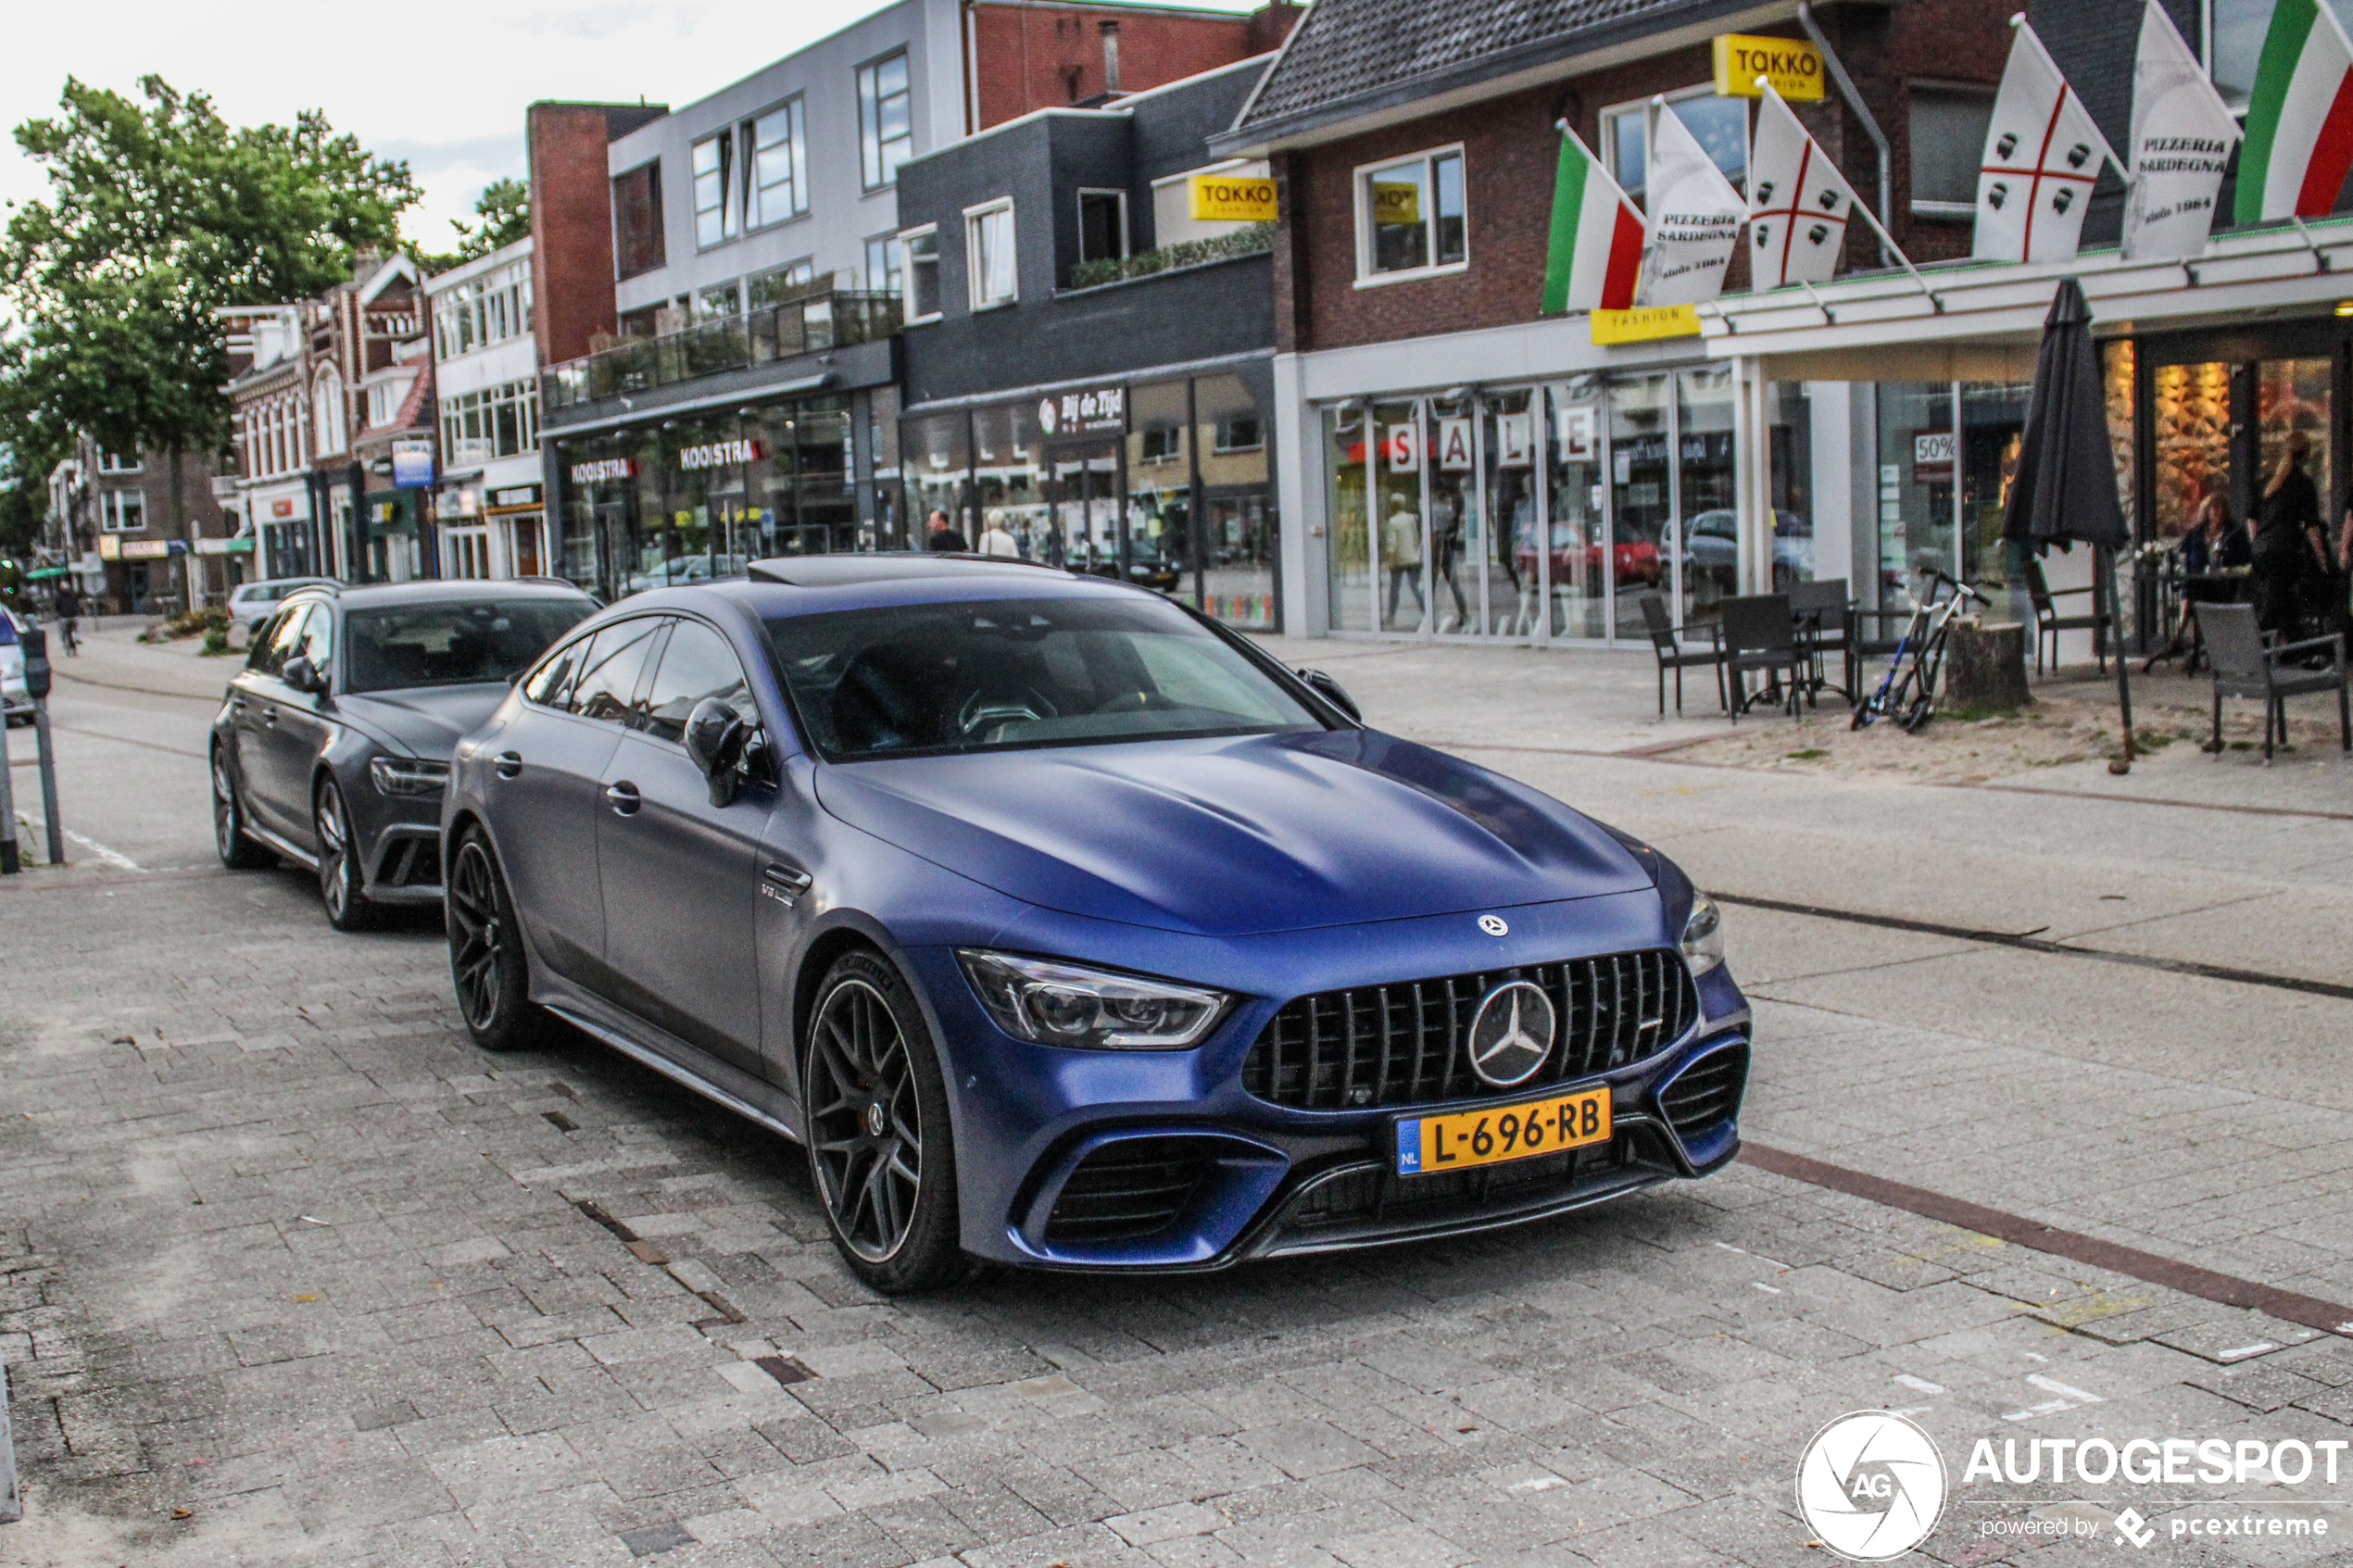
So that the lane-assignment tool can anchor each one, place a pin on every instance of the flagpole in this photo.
(1888, 240)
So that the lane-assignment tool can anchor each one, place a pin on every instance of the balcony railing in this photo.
(829, 318)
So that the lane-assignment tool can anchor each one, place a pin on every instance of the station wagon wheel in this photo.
(237, 852)
(878, 1132)
(339, 881)
(488, 967)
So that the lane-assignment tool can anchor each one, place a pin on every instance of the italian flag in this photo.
(2299, 122)
(1596, 254)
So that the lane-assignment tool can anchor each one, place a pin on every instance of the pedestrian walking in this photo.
(1402, 545)
(996, 540)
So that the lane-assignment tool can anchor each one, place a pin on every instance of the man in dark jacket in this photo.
(942, 537)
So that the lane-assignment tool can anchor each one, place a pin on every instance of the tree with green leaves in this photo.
(159, 213)
(504, 210)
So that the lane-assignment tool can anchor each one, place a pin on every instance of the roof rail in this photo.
(793, 570)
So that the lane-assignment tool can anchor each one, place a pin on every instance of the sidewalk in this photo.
(113, 655)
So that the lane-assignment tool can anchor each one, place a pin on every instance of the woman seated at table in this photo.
(2213, 543)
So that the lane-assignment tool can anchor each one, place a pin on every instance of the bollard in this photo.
(11, 1505)
(10, 862)
(37, 682)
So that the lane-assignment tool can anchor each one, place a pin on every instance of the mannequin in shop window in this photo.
(1401, 539)
(2289, 550)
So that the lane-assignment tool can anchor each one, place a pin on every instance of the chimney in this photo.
(1111, 56)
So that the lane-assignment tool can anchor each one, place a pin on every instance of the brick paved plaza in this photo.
(291, 1273)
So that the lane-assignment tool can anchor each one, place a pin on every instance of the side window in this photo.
(318, 640)
(551, 681)
(608, 677)
(696, 664)
(286, 640)
(265, 643)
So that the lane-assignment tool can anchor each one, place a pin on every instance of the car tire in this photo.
(342, 887)
(237, 851)
(487, 965)
(880, 1148)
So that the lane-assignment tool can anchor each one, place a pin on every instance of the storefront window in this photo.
(1707, 492)
(1582, 545)
(1348, 449)
(2292, 397)
(1502, 541)
(882, 440)
(1160, 485)
(1400, 535)
(1237, 568)
(2193, 441)
(1011, 477)
(1788, 414)
(1452, 456)
(935, 458)
(1916, 451)
(1641, 497)
(1993, 419)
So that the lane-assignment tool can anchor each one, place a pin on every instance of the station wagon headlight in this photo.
(1065, 1004)
(408, 775)
(1702, 936)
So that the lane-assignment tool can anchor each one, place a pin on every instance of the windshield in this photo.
(450, 643)
(995, 675)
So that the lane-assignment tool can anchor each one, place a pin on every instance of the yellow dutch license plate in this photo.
(1427, 1143)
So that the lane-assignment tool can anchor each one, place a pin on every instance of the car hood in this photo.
(427, 720)
(1230, 837)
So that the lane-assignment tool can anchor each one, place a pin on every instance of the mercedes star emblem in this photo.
(1493, 925)
(1512, 1032)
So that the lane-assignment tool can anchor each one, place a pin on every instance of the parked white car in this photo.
(14, 699)
(253, 602)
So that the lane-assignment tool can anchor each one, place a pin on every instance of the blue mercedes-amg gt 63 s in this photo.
(1066, 928)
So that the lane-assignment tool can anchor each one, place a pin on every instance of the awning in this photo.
(1982, 320)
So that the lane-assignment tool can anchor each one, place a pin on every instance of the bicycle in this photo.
(1907, 693)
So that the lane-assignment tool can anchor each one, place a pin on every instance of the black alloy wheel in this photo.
(487, 961)
(879, 1144)
(339, 878)
(237, 852)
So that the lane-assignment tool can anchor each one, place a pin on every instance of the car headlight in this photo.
(1702, 936)
(1065, 1004)
(408, 775)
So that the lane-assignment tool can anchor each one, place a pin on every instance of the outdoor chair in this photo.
(2049, 622)
(1820, 610)
(1671, 655)
(1758, 635)
(2244, 665)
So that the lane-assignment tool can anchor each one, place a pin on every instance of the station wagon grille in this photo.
(1402, 1044)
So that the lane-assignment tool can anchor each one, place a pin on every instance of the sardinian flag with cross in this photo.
(1798, 202)
(2042, 156)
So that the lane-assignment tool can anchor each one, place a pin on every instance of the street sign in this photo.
(411, 461)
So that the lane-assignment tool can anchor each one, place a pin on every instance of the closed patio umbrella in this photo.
(2065, 488)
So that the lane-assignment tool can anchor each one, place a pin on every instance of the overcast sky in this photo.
(439, 82)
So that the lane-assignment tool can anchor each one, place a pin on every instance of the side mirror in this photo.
(1331, 691)
(715, 739)
(304, 676)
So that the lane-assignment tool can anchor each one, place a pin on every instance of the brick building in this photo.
(111, 521)
(333, 415)
(1457, 465)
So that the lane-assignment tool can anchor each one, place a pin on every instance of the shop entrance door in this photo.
(1088, 531)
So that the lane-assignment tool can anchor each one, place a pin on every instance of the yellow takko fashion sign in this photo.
(1227, 198)
(1397, 201)
(1792, 65)
(1644, 322)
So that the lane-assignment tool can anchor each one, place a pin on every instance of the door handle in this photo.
(506, 764)
(622, 797)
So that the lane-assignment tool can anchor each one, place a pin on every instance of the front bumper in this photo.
(1060, 1151)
